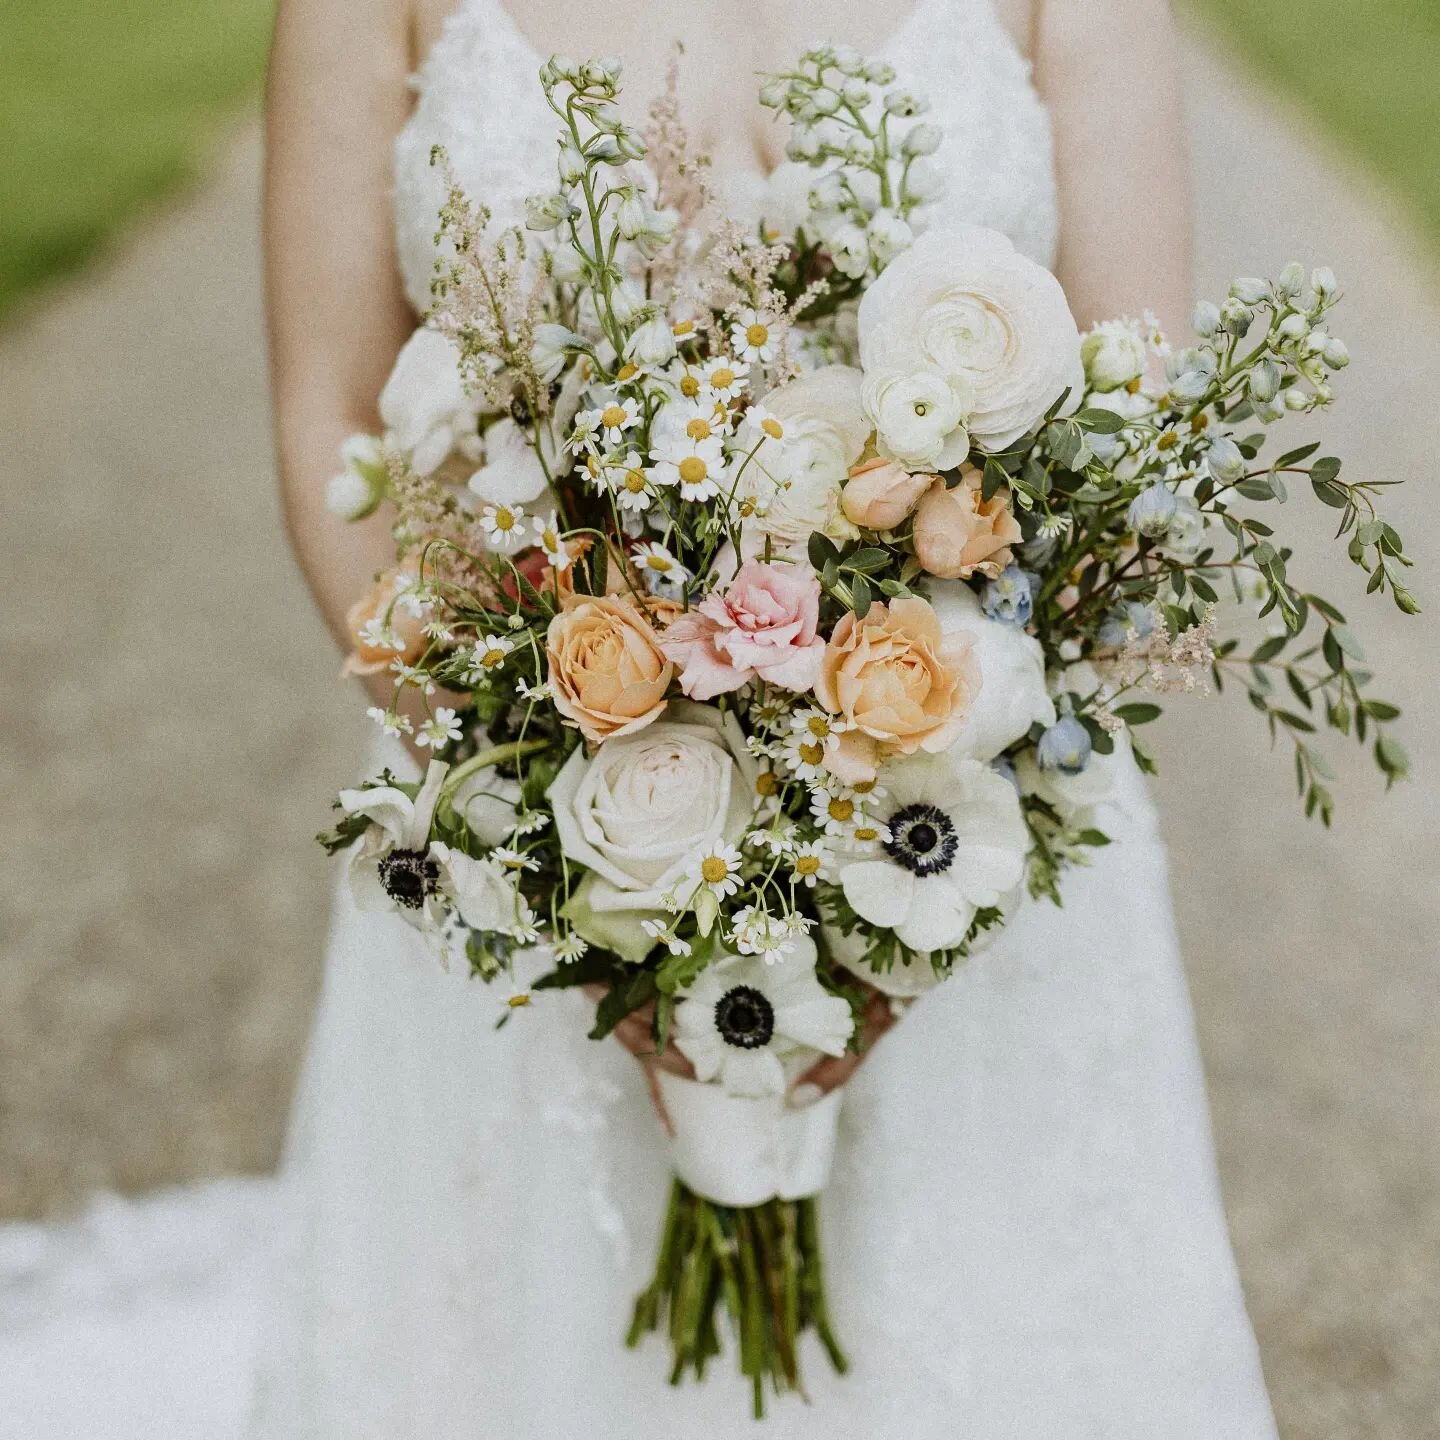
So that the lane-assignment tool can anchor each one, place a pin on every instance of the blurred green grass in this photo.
(1365, 69)
(105, 104)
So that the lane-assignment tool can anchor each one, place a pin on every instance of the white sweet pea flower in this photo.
(356, 490)
(743, 1020)
(963, 303)
(1114, 353)
(511, 475)
(957, 843)
(1013, 694)
(919, 417)
(425, 405)
(551, 349)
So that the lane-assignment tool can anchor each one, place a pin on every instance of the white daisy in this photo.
(809, 862)
(412, 675)
(440, 729)
(755, 931)
(717, 868)
(614, 418)
(752, 336)
(514, 860)
(698, 468)
(490, 653)
(535, 693)
(505, 528)
(726, 379)
(659, 569)
(660, 932)
(390, 721)
(742, 1020)
(549, 539)
(569, 948)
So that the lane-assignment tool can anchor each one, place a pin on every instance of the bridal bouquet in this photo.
(782, 605)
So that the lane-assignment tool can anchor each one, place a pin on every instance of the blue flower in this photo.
(1011, 598)
(1116, 627)
(1065, 747)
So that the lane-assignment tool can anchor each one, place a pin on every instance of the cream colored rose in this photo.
(899, 681)
(607, 671)
(958, 534)
(964, 304)
(882, 493)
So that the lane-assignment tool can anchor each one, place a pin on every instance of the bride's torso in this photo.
(478, 96)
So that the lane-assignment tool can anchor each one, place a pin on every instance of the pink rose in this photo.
(763, 624)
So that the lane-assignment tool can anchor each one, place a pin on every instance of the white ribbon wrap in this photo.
(740, 1151)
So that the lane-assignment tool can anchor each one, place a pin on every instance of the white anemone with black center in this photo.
(957, 845)
(747, 1023)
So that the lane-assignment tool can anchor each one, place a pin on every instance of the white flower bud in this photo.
(1206, 318)
(1151, 511)
(880, 72)
(1323, 282)
(652, 344)
(1225, 461)
(1292, 280)
(633, 215)
(605, 148)
(1236, 317)
(627, 300)
(856, 94)
(550, 349)
(593, 73)
(1294, 327)
(859, 150)
(904, 103)
(804, 146)
(774, 91)
(1296, 399)
(630, 143)
(850, 250)
(567, 265)
(1265, 381)
(923, 140)
(1337, 354)
(1269, 411)
(824, 100)
(888, 235)
(819, 52)
(545, 212)
(354, 492)
(606, 116)
(1185, 535)
(571, 164)
(827, 192)
(1113, 355)
(925, 182)
(848, 60)
(1249, 290)
(561, 67)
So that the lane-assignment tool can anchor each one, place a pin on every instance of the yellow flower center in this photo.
(841, 809)
(1168, 441)
(713, 869)
(685, 327)
(723, 378)
(698, 429)
(807, 865)
(1133, 387)
(773, 428)
(766, 783)
(492, 658)
(818, 726)
(689, 386)
(662, 563)
(634, 481)
(592, 464)
(812, 754)
(757, 334)
(1200, 423)
(550, 540)
(692, 470)
(863, 787)
(628, 371)
(504, 519)
(866, 832)
(518, 1002)
(612, 416)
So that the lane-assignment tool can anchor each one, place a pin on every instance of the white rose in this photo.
(636, 813)
(1013, 695)
(795, 482)
(963, 302)
(918, 416)
(1113, 354)
(425, 405)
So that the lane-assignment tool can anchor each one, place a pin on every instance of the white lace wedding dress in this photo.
(1024, 1231)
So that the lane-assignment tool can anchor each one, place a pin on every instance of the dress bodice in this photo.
(479, 97)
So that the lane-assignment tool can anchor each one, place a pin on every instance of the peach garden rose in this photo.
(959, 534)
(898, 681)
(607, 671)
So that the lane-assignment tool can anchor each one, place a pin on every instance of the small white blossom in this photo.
(717, 868)
(504, 527)
(752, 336)
(440, 729)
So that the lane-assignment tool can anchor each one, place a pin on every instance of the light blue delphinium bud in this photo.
(1292, 280)
(1226, 462)
(1065, 747)
(1264, 381)
(1206, 318)
(1151, 511)
(1250, 290)
(1007, 771)
(1116, 627)
(1011, 598)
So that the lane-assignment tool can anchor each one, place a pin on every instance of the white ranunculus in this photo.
(1114, 354)
(918, 417)
(957, 844)
(963, 302)
(1013, 695)
(636, 813)
(743, 1019)
(795, 483)
(425, 405)
(511, 474)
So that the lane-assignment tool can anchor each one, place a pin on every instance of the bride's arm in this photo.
(1110, 72)
(337, 314)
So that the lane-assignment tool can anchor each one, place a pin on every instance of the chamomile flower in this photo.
(688, 380)
(658, 568)
(615, 418)
(505, 528)
(809, 863)
(660, 932)
(549, 539)
(726, 379)
(514, 860)
(534, 692)
(837, 811)
(490, 653)
(776, 839)
(531, 823)
(569, 948)
(718, 869)
(390, 721)
(440, 729)
(630, 485)
(752, 336)
(813, 737)
(698, 468)
(761, 427)
(755, 931)
(411, 675)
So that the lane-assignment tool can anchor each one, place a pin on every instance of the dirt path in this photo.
(167, 752)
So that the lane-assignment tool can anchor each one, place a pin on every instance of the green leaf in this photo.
(870, 559)
(1294, 457)
(622, 1000)
(1101, 421)
(821, 550)
(1381, 710)
(1270, 649)
(860, 596)
(1137, 714)
(993, 480)
(1324, 471)
(1329, 494)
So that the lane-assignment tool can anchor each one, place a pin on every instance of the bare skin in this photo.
(1107, 69)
